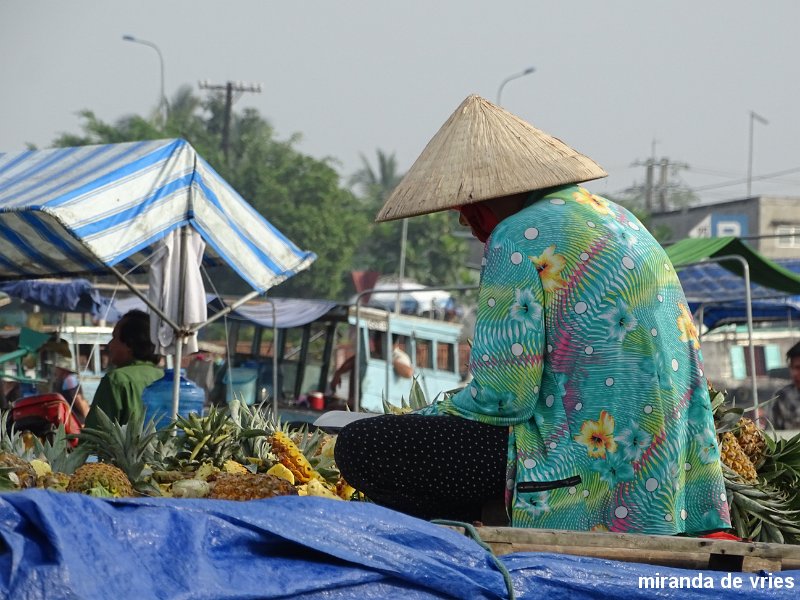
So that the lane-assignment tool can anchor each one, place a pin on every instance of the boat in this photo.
(298, 351)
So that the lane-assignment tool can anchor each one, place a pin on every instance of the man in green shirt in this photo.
(131, 352)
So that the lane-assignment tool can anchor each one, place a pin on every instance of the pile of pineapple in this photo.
(762, 475)
(238, 454)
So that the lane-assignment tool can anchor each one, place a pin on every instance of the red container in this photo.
(44, 413)
(316, 400)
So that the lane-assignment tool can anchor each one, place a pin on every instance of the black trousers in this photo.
(430, 467)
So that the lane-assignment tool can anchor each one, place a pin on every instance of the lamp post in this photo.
(162, 102)
(753, 117)
(527, 71)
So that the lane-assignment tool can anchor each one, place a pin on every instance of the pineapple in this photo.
(733, 456)
(279, 470)
(56, 481)
(13, 441)
(727, 419)
(252, 486)
(317, 447)
(781, 465)
(762, 476)
(255, 424)
(751, 439)
(18, 471)
(344, 490)
(212, 438)
(100, 476)
(290, 456)
(761, 512)
(416, 400)
(127, 446)
(235, 468)
(63, 459)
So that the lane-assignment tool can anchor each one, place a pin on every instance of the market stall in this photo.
(147, 206)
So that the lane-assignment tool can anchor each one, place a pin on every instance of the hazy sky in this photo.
(355, 76)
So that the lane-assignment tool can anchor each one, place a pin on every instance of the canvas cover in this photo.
(70, 211)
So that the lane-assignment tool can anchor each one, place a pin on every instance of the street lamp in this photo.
(527, 71)
(162, 99)
(753, 117)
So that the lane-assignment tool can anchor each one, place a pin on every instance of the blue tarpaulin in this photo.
(74, 295)
(55, 546)
(722, 294)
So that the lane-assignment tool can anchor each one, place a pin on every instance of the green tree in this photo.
(299, 195)
(433, 254)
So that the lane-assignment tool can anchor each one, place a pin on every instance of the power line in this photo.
(741, 181)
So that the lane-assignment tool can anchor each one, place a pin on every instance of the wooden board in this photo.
(682, 552)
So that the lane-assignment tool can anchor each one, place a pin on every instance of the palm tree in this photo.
(376, 186)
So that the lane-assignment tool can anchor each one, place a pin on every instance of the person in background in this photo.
(588, 408)
(201, 370)
(401, 361)
(786, 405)
(67, 384)
(132, 354)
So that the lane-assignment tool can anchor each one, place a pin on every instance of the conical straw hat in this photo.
(482, 152)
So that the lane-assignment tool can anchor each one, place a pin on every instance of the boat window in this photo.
(445, 357)
(315, 359)
(377, 344)
(424, 353)
(244, 339)
(292, 345)
(266, 343)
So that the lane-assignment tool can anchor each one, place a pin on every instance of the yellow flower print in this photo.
(583, 196)
(687, 327)
(598, 436)
(549, 265)
(599, 528)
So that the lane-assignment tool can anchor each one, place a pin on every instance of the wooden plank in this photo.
(687, 553)
(553, 538)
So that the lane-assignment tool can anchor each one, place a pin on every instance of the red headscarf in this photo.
(481, 218)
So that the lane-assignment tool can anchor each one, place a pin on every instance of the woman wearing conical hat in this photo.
(588, 406)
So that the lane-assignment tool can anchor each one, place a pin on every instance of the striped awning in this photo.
(70, 211)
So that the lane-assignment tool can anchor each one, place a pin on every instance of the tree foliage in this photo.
(433, 254)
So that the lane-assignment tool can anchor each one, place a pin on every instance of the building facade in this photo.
(769, 224)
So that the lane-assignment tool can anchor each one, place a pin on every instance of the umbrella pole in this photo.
(179, 333)
(176, 377)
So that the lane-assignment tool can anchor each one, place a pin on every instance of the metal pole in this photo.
(402, 270)
(162, 101)
(750, 156)
(527, 71)
(763, 121)
(702, 318)
(274, 359)
(749, 312)
(179, 335)
(225, 311)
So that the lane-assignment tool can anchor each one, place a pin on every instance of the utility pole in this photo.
(648, 185)
(649, 165)
(229, 88)
(753, 117)
(662, 185)
(656, 194)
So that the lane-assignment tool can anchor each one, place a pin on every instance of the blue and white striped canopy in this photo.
(69, 211)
